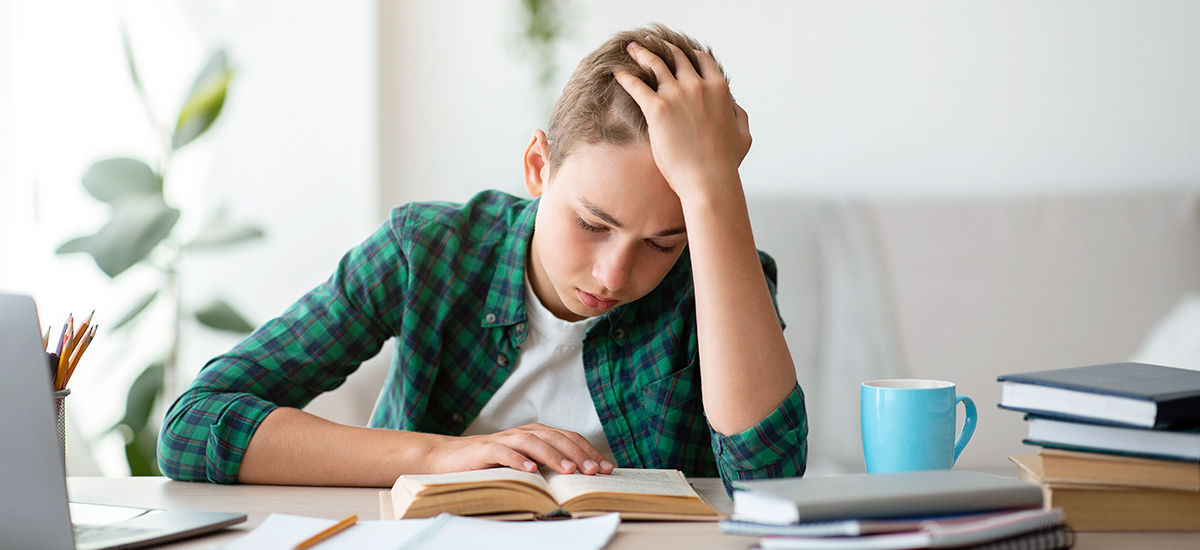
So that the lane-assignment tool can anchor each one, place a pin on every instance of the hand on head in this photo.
(698, 134)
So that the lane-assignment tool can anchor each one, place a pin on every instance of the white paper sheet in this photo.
(460, 532)
(286, 531)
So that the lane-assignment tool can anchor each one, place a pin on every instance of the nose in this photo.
(614, 267)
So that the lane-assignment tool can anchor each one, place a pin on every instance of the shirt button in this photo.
(619, 334)
(520, 328)
(458, 417)
(502, 360)
(490, 318)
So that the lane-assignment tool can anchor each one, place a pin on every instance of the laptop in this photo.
(34, 508)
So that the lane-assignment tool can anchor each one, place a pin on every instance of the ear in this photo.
(537, 163)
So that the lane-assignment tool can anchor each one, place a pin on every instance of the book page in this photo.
(669, 483)
(478, 477)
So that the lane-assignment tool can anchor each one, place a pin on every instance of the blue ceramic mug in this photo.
(908, 425)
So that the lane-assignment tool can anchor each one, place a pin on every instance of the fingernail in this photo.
(568, 465)
(633, 45)
(529, 465)
(606, 465)
(589, 466)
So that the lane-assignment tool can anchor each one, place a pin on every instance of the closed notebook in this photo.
(867, 496)
(1130, 394)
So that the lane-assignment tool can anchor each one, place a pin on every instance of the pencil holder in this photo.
(60, 415)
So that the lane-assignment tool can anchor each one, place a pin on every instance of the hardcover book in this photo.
(1131, 394)
(1144, 442)
(1091, 508)
(512, 494)
(1102, 469)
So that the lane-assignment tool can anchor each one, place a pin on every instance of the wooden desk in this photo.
(259, 501)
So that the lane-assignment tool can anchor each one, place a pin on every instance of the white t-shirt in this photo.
(547, 384)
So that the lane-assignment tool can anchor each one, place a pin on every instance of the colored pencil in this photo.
(331, 531)
(46, 339)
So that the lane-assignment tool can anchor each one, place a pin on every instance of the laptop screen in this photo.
(33, 488)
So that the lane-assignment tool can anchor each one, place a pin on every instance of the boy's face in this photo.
(608, 228)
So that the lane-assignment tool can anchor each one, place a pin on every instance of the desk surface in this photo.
(259, 501)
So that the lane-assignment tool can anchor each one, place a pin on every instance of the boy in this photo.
(570, 331)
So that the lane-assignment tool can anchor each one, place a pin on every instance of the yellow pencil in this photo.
(46, 339)
(83, 345)
(83, 329)
(331, 531)
(65, 354)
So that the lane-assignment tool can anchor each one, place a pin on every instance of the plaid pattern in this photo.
(447, 281)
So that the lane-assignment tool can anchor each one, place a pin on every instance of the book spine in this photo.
(1178, 413)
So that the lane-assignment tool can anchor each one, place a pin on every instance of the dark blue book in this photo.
(1121, 394)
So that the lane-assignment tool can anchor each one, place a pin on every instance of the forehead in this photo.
(621, 180)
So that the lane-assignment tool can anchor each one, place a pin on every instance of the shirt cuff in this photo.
(775, 447)
(230, 435)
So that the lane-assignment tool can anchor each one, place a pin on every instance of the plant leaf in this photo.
(138, 224)
(219, 233)
(78, 244)
(204, 101)
(129, 62)
(111, 179)
(219, 315)
(139, 402)
(136, 310)
(142, 453)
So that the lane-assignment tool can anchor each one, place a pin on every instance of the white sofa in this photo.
(961, 290)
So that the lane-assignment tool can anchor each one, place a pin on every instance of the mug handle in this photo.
(968, 428)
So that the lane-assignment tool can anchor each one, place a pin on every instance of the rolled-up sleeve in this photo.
(287, 362)
(775, 447)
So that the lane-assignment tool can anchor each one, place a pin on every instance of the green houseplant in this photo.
(143, 229)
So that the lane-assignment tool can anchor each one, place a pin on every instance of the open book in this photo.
(513, 494)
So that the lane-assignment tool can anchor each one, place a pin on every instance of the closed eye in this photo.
(588, 227)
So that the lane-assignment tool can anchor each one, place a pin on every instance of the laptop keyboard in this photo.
(92, 533)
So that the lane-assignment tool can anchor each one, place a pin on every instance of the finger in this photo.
(533, 446)
(708, 65)
(683, 65)
(602, 464)
(577, 449)
(647, 59)
(503, 455)
(637, 88)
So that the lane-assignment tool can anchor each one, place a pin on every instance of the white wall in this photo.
(846, 98)
(294, 151)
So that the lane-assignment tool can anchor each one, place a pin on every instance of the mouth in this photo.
(595, 302)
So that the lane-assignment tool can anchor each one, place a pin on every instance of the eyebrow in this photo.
(607, 218)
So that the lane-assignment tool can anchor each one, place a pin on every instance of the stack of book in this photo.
(1119, 444)
(931, 509)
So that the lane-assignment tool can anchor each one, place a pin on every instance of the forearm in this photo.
(292, 447)
(746, 368)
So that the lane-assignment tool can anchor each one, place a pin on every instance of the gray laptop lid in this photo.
(33, 490)
(33, 487)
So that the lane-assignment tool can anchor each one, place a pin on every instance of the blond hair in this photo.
(594, 108)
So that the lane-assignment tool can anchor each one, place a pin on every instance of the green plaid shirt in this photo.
(447, 282)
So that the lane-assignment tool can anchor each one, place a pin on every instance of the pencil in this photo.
(83, 345)
(46, 339)
(331, 531)
(65, 355)
(83, 329)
